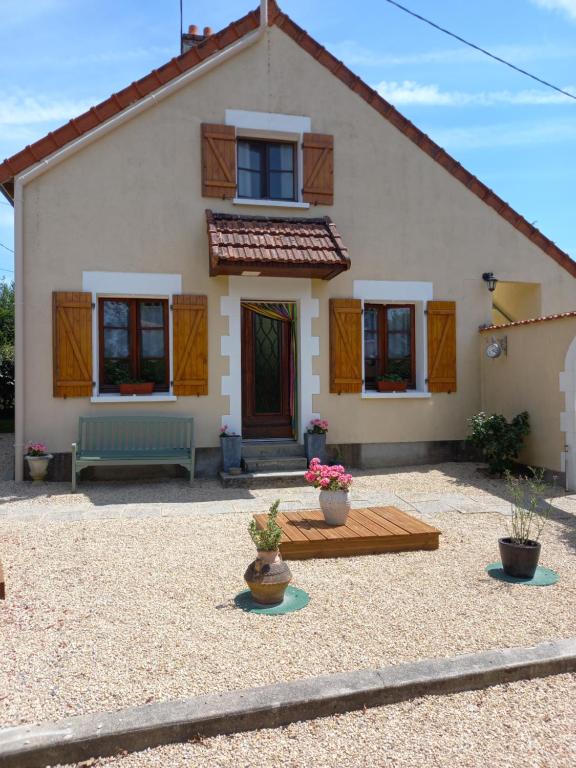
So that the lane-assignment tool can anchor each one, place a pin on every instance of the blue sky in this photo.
(58, 57)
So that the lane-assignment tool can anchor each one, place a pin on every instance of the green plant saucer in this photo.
(544, 577)
(294, 600)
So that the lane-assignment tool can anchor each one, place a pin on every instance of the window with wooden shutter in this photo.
(345, 345)
(190, 335)
(441, 346)
(72, 344)
(218, 160)
(318, 181)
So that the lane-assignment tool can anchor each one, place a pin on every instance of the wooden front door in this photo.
(266, 372)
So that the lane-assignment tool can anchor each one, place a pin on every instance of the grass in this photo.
(6, 425)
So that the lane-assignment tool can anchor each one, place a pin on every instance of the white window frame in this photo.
(141, 285)
(400, 292)
(271, 126)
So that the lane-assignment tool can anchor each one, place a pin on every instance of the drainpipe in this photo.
(57, 157)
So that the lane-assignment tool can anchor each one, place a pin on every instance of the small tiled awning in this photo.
(275, 247)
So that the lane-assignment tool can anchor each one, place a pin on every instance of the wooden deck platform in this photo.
(367, 531)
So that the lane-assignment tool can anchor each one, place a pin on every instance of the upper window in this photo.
(266, 170)
(133, 343)
(389, 343)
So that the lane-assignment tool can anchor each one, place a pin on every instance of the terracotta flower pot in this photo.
(38, 466)
(335, 506)
(267, 577)
(144, 388)
(391, 386)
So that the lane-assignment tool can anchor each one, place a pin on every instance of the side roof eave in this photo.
(221, 40)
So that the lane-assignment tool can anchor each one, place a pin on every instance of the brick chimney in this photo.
(192, 37)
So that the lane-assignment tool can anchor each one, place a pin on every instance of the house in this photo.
(258, 233)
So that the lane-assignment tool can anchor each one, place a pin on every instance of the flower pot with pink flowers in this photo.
(315, 439)
(38, 458)
(334, 485)
(231, 450)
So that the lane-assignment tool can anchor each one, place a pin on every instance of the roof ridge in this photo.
(230, 34)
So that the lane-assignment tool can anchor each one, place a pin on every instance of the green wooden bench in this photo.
(124, 440)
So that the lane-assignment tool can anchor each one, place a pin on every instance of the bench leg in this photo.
(192, 465)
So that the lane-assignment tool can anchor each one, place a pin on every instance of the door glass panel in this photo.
(267, 339)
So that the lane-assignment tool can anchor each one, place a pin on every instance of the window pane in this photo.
(250, 155)
(115, 342)
(281, 186)
(116, 313)
(250, 185)
(281, 157)
(399, 342)
(153, 370)
(151, 313)
(152, 343)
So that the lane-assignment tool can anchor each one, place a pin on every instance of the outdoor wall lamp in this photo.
(489, 278)
(495, 347)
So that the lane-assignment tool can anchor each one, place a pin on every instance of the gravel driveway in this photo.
(103, 614)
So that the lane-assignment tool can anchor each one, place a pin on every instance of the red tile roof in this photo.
(230, 34)
(533, 320)
(297, 246)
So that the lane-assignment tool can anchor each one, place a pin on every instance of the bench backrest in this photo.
(135, 433)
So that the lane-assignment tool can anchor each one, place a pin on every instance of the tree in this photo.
(6, 349)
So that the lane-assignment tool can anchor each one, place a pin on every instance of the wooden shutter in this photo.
(72, 344)
(218, 160)
(190, 335)
(441, 346)
(318, 182)
(345, 345)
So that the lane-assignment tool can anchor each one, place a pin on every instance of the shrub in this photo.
(499, 440)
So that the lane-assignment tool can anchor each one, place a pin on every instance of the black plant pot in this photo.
(519, 560)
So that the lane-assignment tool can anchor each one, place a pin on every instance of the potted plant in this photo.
(315, 439)
(391, 382)
(334, 484)
(268, 575)
(520, 550)
(136, 387)
(38, 459)
(231, 450)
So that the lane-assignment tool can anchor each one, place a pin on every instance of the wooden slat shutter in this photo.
(345, 345)
(190, 335)
(218, 160)
(72, 344)
(441, 346)
(318, 182)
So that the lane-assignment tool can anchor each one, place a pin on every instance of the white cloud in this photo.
(506, 135)
(356, 55)
(409, 92)
(21, 109)
(566, 6)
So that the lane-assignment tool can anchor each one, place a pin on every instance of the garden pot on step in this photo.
(315, 446)
(268, 576)
(335, 506)
(519, 560)
(231, 451)
(38, 466)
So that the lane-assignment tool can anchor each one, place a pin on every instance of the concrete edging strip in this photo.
(138, 728)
